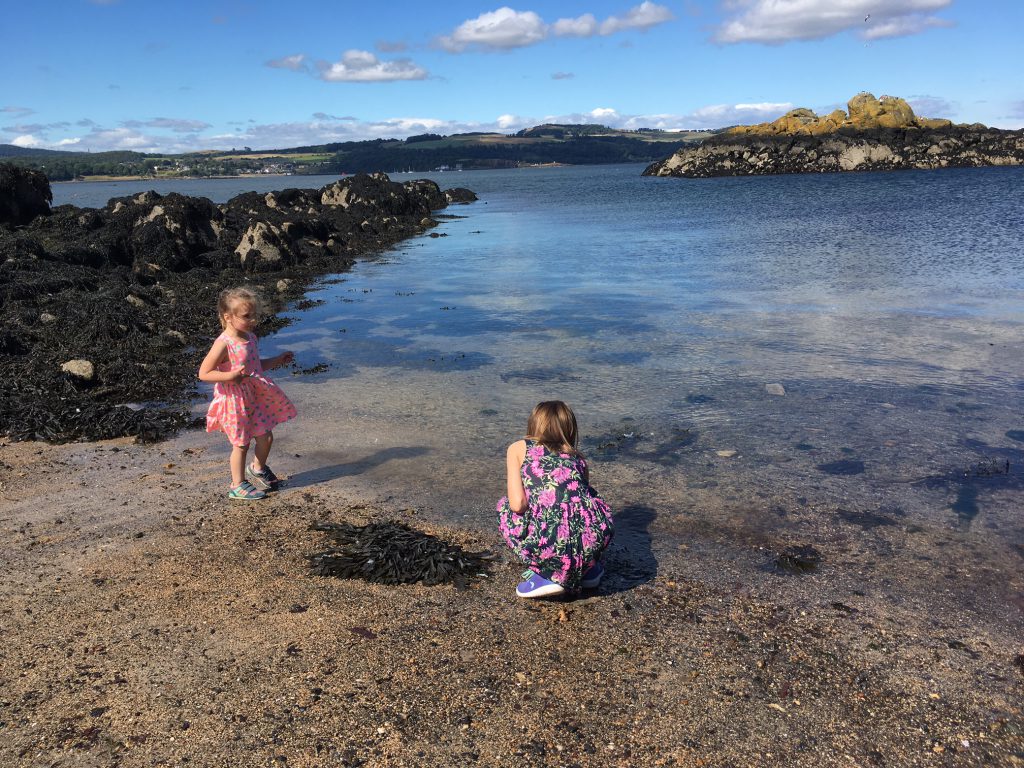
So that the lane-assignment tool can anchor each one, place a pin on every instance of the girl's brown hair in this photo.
(230, 297)
(553, 425)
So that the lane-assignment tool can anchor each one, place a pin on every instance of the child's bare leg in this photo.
(263, 444)
(238, 453)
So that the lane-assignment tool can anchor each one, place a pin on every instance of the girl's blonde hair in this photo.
(553, 425)
(230, 297)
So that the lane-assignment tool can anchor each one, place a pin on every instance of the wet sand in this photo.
(147, 621)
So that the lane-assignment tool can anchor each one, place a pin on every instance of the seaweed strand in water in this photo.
(394, 553)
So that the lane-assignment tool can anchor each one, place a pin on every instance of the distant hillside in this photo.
(551, 143)
(11, 150)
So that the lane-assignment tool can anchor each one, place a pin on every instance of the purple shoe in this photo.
(592, 576)
(535, 585)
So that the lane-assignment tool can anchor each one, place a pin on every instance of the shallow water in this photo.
(887, 305)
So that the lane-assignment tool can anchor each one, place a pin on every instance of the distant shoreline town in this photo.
(551, 144)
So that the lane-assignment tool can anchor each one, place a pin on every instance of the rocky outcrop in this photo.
(874, 135)
(130, 289)
(24, 194)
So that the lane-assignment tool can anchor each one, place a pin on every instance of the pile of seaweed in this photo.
(105, 314)
(394, 553)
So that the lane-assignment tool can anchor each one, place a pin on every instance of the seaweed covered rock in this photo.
(460, 196)
(131, 287)
(24, 194)
(875, 135)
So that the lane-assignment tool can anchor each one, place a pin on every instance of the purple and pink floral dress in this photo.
(566, 526)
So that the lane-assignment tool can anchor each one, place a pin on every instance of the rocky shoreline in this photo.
(106, 311)
(875, 135)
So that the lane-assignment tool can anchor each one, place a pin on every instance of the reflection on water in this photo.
(887, 305)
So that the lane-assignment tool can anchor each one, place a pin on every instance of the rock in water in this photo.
(800, 559)
(875, 135)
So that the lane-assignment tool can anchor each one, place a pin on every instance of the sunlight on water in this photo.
(888, 306)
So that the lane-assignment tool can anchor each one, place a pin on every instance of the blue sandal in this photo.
(246, 491)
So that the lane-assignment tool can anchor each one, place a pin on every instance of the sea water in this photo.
(670, 313)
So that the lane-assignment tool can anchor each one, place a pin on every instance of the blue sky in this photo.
(186, 75)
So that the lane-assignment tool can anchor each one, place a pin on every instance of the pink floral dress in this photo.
(252, 406)
(566, 526)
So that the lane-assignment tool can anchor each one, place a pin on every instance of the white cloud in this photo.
(69, 142)
(501, 29)
(26, 140)
(903, 26)
(294, 63)
(509, 122)
(721, 115)
(505, 28)
(583, 26)
(643, 16)
(363, 67)
(780, 21)
(17, 111)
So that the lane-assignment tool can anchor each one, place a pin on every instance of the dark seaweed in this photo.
(394, 553)
(131, 288)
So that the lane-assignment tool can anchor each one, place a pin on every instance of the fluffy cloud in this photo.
(363, 67)
(721, 115)
(643, 16)
(505, 28)
(779, 21)
(582, 26)
(496, 30)
(28, 141)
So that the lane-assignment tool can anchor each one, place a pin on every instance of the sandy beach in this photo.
(147, 621)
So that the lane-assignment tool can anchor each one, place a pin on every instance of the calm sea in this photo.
(888, 306)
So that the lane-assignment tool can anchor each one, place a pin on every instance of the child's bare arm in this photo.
(208, 369)
(277, 360)
(513, 463)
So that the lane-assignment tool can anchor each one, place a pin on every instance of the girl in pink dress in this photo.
(246, 405)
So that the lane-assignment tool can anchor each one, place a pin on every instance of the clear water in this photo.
(888, 306)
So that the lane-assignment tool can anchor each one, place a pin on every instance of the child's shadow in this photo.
(630, 561)
(357, 467)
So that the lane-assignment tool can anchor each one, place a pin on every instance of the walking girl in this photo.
(246, 405)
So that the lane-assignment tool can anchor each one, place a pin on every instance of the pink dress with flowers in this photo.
(249, 407)
(566, 526)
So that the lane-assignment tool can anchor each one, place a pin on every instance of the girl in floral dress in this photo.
(553, 520)
(246, 405)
